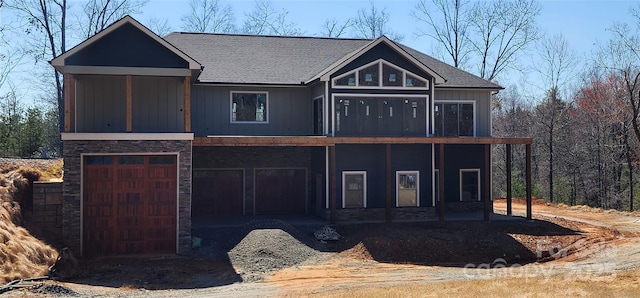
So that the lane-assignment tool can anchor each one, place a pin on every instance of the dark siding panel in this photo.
(101, 104)
(369, 158)
(460, 157)
(290, 111)
(158, 104)
(127, 47)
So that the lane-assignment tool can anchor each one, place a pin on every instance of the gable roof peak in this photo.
(59, 62)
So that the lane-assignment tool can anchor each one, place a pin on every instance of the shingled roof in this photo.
(254, 59)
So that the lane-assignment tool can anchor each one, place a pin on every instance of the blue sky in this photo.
(583, 23)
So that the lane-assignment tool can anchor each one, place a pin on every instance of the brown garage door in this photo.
(280, 191)
(129, 204)
(217, 192)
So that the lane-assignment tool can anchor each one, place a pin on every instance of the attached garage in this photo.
(129, 204)
(280, 191)
(217, 192)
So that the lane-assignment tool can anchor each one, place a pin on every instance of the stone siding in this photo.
(47, 210)
(379, 214)
(72, 182)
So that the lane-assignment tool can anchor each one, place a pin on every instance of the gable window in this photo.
(454, 119)
(380, 74)
(249, 107)
(354, 189)
(407, 188)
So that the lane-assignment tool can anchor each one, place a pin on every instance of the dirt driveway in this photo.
(280, 259)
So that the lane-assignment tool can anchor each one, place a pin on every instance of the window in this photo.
(470, 185)
(391, 76)
(354, 189)
(454, 119)
(407, 189)
(249, 107)
(380, 74)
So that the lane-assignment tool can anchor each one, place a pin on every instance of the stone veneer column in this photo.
(72, 182)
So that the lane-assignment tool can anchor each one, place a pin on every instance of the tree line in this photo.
(583, 115)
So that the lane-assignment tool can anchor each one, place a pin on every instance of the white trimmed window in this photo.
(469, 184)
(249, 107)
(380, 74)
(354, 189)
(407, 189)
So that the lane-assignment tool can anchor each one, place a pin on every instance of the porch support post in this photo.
(508, 164)
(69, 103)
(487, 182)
(129, 104)
(441, 182)
(528, 180)
(388, 209)
(187, 104)
(334, 196)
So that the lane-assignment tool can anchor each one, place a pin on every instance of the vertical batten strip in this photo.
(187, 104)
(129, 104)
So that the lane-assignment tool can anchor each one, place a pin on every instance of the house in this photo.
(160, 131)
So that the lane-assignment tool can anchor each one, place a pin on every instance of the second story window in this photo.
(454, 119)
(249, 107)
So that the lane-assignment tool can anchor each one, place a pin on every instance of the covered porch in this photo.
(437, 143)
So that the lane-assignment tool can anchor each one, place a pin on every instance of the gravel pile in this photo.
(267, 250)
(260, 246)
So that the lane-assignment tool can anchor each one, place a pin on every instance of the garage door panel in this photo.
(280, 191)
(129, 205)
(218, 192)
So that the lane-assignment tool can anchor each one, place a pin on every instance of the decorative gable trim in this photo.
(327, 72)
(59, 62)
(403, 81)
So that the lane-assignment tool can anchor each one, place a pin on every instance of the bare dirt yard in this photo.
(572, 251)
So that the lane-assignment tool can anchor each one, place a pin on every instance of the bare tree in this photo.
(335, 28)
(503, 29)
(47, 21)
(159, 26)
(448, 23)
(373, 22)
(265, 20)
(557, 63)
(209, 16)
(98, 14)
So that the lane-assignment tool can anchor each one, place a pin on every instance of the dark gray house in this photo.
(160, 131)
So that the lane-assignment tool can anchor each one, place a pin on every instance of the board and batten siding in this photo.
(289, 112)
(101, 104)
(157, 104)
(482, 107)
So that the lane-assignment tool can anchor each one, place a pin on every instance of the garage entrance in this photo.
(217, 192)
(129, 204)
(280, 191)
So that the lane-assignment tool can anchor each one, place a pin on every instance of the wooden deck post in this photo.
(388, 209)
(528, 180)
(187, 104)
(334, 196)
(487, 182)
(441, 183)
(69, 103)
(508, 164)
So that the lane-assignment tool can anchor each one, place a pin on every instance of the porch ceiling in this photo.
(310, 141)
